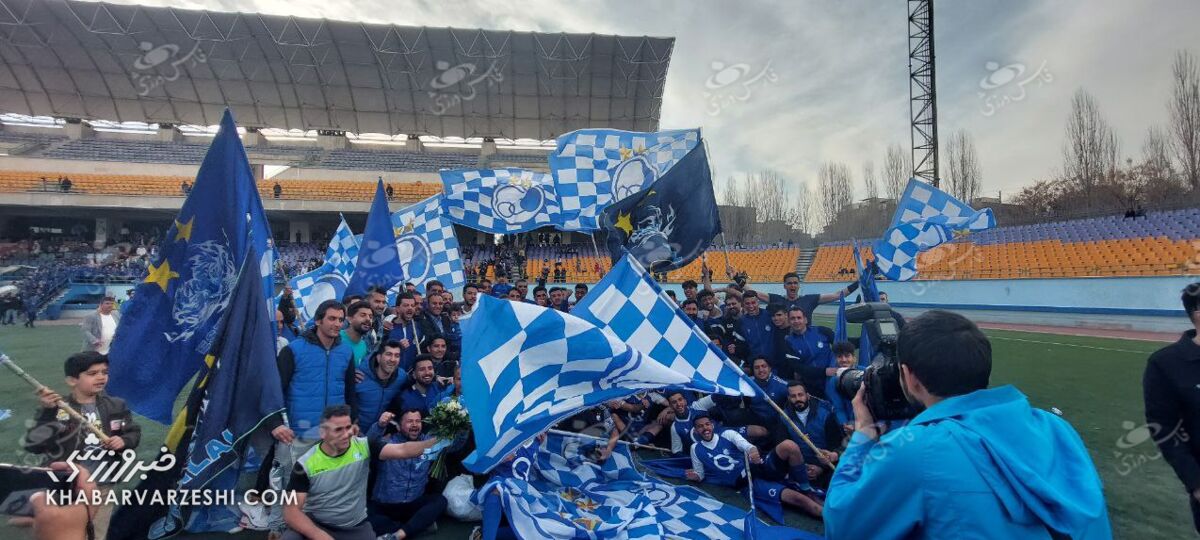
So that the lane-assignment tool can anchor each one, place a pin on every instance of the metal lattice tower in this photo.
(922, 91)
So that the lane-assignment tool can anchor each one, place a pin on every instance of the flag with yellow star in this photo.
(172, 320)
(671, 222)
(593, 168)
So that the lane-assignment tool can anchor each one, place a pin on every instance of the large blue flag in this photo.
(563, 494)
(500, 201)
(171, 322)
(925, 217)
(630, 305)
(238, 390)
(427, 245)
(670, 223)
(595, 167)
(378, 256)
(330, 279)
(526, 367)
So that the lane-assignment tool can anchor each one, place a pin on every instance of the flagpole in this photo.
(750, 486)
(62, 403)
(595, 249)
(602, 439)
(725, 248)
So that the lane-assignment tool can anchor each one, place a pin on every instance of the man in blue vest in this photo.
(815, 417)
(381, 382)
(399, 506)
(719, 457)
(976, 461)
(317, 371)
(810, 352)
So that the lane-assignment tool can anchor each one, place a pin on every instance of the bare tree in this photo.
(800, 211)
(870, 181)
(1090, 153)
(1185, 116)
(897, 167)
(1156, 156)
(962, 171)
(836, 192)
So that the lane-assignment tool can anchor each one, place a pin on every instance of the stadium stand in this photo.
(397, 161)
(1159, 244)
(169, 186)
(761, 264)
(129, 151)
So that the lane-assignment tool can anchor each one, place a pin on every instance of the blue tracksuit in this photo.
(980, 465)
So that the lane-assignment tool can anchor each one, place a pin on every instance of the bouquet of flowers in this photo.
(448, 421)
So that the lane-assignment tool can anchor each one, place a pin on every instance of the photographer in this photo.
(976, 461)
(1169, 383)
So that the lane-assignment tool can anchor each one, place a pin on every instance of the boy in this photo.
(56, 435)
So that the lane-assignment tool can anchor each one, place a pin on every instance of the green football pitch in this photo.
(1095, 382)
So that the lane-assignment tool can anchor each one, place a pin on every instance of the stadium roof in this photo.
(87, 60)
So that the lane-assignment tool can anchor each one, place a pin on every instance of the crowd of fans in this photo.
(384, 368)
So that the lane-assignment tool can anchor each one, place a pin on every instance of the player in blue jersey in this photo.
(719, 457)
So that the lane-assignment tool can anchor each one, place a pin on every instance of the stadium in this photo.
(108, 112)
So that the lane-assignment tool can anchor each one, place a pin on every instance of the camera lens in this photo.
(848, 383)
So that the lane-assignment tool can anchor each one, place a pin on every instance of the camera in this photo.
(883, 393)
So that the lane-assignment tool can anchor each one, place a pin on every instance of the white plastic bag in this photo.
(458, 498)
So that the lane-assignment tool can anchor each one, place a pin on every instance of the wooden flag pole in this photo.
(791, 424)
(62, 403)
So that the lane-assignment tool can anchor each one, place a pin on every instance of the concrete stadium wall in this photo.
(68, 166)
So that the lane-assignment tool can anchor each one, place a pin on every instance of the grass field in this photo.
(1095, 382)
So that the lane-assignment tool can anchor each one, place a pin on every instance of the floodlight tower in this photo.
(922, 91)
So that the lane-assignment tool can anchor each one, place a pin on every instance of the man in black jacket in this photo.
(1171, 387)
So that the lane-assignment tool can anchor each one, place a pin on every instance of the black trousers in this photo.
(412, 517)
(1195, 512)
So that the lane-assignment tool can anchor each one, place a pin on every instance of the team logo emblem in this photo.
(205, 294)
(415, 257)
(516, 203)
(632, 176)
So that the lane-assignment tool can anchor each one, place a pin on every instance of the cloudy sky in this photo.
(835, 74)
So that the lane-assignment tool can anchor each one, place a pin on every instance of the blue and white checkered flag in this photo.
(565, 495)
(926, 217)
(595, 167)
(500, 201)
(630, 304)
(427, 244)
(329, 280)
(526, 367)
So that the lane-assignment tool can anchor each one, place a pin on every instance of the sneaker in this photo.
(476, 533)
(254, 516)
(388, 536)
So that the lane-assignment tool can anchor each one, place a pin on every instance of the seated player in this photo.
(717, 458)
(399, 506)
(330, 480)
(816, 418)
(678, 417)
(638, 411)
(774, 388)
